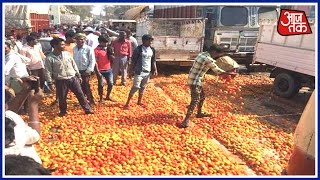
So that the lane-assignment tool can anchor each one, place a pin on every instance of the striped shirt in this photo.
(201, 65)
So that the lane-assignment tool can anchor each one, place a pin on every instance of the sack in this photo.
(227, 63)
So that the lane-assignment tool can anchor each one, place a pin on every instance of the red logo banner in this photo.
(293, 22)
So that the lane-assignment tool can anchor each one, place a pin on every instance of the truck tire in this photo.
(285, 85)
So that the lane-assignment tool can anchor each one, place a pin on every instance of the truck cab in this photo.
(238, 35)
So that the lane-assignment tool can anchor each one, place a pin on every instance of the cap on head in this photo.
(80, 35)
(9, 43)
(147, 37)
(88, 29)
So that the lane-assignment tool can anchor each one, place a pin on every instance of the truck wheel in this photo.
(285, 85)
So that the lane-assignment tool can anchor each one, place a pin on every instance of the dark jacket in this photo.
(136, 60)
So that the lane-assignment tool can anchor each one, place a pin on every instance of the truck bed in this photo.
(291, 58)
(177, 40)
(295, 53)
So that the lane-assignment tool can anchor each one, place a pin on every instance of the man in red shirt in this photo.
(104, 59)
(122, 53)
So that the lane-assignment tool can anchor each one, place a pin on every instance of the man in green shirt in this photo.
(61, 68)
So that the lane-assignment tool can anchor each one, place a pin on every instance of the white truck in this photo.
(293, 59)
(177, 40)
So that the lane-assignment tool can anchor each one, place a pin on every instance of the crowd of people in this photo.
(76, 55)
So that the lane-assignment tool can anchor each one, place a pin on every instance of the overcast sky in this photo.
(97, 9)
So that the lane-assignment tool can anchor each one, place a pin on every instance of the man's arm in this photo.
(96, 70)
(75, 67)
(211, 63)
(110, 54)
(134, 59)
(41, 53)
(8, 66)
(154, 63)
(130, 52)
(134, 41)
(92, 61)
(48, 70)
(112, 33)
(25, 59)
(23, 52)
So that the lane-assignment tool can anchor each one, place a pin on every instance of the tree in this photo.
(83, 11)
(115, 12)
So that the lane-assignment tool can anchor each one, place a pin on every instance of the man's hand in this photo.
(130, 74)
(227, 75)
(155, 73)
(232, 74)
(87, 73)
(129, 61)
(29, 78)
(99, 75)
(80, 80)
(52, 88)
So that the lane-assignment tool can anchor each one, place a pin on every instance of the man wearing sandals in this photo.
(143, 65)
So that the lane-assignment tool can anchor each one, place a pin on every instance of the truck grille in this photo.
(247, 44)
(231, 41)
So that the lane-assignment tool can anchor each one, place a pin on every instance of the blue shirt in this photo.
(84, 58)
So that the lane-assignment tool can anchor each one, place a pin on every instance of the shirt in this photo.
(146, 59)
(69, 47)
(36, 56)
(201, 65)
(92, 40)
(122, 48)
(15, 66)
(60, 67)
(102, 59)
(134, 42)
(84, 58)
(19, 45)
(24, 135)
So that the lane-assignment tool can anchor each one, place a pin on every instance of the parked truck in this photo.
(238, 35)
(177, 40)
(25, 18)
(293, 59)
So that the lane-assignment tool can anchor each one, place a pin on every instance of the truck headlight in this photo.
(225, 46)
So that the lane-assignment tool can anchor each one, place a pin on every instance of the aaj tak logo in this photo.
(293, 22)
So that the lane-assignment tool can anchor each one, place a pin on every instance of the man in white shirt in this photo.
(92, 39)
(15, 67)
(36, 55)
(17, 45)
(23, 85)
(142, 67)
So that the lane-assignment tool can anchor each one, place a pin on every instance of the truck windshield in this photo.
(234, 16)
(267, 14)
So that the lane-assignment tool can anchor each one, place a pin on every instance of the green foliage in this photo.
(115, 12)
(83, 11)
